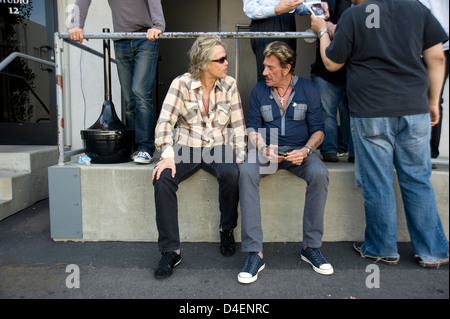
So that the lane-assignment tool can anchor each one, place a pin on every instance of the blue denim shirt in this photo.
(294, 127)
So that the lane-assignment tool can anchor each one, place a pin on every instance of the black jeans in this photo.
(220, 162)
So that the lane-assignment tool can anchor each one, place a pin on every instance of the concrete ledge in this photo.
(117, 204)
(23, 176)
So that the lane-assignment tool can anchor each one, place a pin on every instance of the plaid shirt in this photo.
(183, 107)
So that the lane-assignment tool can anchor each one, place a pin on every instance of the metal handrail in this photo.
(188, 35)
(15, 55)
(30, 88)
(60, 36)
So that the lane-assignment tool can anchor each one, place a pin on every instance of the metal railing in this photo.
(59, 37)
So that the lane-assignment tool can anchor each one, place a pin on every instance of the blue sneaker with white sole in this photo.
(314, 257)
(253, 265)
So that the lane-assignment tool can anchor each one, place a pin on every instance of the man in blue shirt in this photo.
(285, 126)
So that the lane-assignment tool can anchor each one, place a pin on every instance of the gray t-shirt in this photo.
(127, 15)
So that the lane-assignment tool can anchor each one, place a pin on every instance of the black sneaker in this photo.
(166, 264)
(330, 157)
(227, 243)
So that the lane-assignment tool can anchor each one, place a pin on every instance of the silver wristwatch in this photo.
(308, 150)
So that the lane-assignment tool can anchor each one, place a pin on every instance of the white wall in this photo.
(91, 78)
(83, 75)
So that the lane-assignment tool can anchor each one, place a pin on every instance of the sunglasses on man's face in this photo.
(221, 60)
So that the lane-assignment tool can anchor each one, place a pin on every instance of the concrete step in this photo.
(24, 176)
(115, 202)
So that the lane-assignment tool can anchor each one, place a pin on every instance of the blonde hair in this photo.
(201, 53)
(283, 52)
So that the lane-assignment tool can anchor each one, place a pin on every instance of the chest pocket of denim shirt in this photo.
(223, 113)
(300, 111)
(266, 113)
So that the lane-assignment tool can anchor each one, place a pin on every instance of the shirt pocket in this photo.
(223, 114)
(266, 113)
(300, 111)
(191, 113)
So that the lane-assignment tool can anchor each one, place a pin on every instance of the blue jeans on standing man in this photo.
(137, 61)
(333, 98)
(403, 143)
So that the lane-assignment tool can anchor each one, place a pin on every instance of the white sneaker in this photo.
(143, 158)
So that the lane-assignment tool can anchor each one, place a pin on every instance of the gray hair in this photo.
(283, 52)
(201, 53)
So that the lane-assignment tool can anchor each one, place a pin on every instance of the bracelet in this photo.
(321, 33)
(262, 149)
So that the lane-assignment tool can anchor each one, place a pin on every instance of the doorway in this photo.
(27, 89)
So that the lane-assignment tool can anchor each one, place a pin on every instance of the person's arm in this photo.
(257, 9)
(79, 14)
(237, 124)
(168, 117)
(318, 25)
(297, 156)
(158, 21)
(435, 63)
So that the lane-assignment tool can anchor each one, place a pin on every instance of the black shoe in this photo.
(227, 243)
(166, 264)
(331, 157)
(351, 159)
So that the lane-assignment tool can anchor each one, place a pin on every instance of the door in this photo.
(27, 89)
(198, 16)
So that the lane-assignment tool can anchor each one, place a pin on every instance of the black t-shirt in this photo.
(381, 42)
(335, 8)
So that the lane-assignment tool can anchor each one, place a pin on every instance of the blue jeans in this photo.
(333, 98)
(403, 143)
(312, 170)
(137, 61)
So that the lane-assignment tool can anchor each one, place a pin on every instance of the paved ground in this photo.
(33, 266)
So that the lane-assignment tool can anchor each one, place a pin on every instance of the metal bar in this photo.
(59, 97)
(15, 55)
(88, 49)
(187, 35)
(167, 35)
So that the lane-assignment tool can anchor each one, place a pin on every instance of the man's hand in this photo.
(296, 156)
(325, 9)
(318, 24)
(153, 34)
(434, 114)
(286, 6)
(162, 165)
(270, 152)
(76, 34)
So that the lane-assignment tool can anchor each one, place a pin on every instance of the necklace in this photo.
(282, 96)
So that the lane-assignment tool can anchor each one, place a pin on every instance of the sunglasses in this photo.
(221, 60)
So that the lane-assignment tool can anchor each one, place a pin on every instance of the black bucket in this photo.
(108, 140)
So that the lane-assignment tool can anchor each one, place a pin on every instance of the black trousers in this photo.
(218, 161)
(436, 130)
(281, 23)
